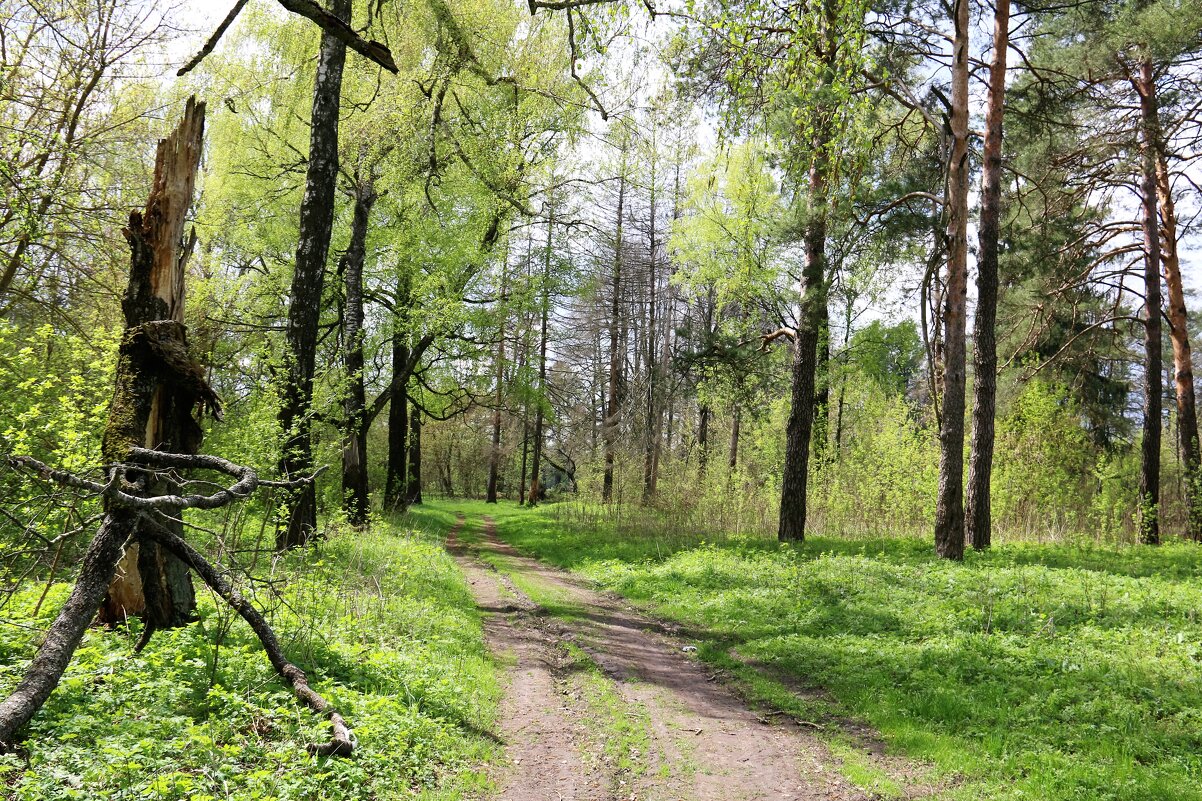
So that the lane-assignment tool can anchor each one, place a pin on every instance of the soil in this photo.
(704, 742)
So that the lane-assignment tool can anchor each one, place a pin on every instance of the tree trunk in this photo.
(703, 441)
(304, 310)
(494, 459)
(805, 351)
(395, 489)
(63, 637)
(354, 449)
(651, 425)
(150, 582)
(949, 511)
(1149, 463)
(157, 387)
(1183, 365)
(414, 492)
(610, 424)
(984, 408)
(541, 397)
(735, 425)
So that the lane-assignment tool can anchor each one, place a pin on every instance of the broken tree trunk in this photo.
(158, 387)
(149, 409)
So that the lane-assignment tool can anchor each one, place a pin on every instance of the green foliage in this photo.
(1045, 462)
(1050, 672)
(381, 621)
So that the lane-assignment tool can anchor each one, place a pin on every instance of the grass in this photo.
(382, 622)
(1028, 672)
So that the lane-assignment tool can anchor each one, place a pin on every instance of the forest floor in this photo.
(605, 703)
(1032, 671)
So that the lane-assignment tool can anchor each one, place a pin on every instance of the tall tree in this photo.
(308, 279)
(949, 510)
(355, 413)
(984, 409)
(617, 358)
(1149, 461)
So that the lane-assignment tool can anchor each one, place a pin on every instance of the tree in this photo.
(984, 408)
(158, 388)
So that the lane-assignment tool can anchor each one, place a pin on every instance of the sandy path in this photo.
(706, 744)
(541, 722)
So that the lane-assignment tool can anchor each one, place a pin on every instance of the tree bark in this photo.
(148, 411)
(63, 637)
(984, 408)
(651, 425)
(304, 310)
(541, 398)
(395, 489)
(1183, 364)
(949, 510)
(733, 458)
(157, 388)
(805, 350)
(413, 493)
(354, 449)
(494, 460)
(610, 424)
(1149, 463)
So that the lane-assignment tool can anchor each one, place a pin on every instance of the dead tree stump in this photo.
(158, 386)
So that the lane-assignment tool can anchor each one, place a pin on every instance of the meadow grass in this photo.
(382, 622)
(1026, 672)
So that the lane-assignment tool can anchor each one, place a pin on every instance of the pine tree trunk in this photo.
(1149, 463)
(984, 408)
(308, 278)
(805, 352)
(1183, 364)
(354, 450)
(949, 510)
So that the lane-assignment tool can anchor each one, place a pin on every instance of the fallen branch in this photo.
(63, 636)
(342, 740)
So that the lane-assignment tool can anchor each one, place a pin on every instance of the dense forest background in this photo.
(706, 256)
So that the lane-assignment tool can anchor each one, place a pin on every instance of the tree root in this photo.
(342, 741)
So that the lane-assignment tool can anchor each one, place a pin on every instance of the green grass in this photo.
(1028, 672)
(623, 731)
(382, 622)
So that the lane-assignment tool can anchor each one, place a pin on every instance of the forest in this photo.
(600, 399)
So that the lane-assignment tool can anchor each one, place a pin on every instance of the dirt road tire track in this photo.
(706, 744)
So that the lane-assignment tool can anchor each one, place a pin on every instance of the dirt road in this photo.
(692, 738)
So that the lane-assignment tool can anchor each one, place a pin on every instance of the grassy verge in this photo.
(382, 622)
(1031, 671)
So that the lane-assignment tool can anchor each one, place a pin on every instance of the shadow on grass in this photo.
(1030, 671)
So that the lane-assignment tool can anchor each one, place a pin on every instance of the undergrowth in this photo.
(1027, 672)
(383, 624)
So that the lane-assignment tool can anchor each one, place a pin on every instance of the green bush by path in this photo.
(383, 624)
(1028, 672)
